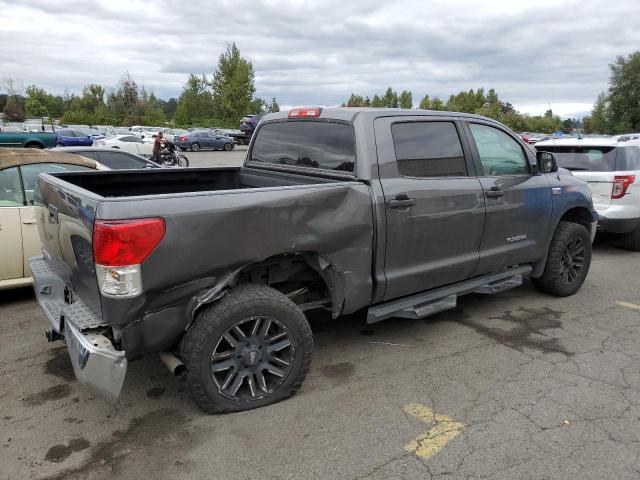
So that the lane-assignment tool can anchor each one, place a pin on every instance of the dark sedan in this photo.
(195, 141)
(112, 158)
(68, 137)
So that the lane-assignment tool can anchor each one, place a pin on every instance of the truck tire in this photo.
(34, 145)
(631, 240)
(250, 349)
(568, 260)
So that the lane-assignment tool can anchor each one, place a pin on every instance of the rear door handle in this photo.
(494, 192)
(401, 201)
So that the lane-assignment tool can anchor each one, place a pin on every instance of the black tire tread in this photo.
(631, 240)
(193, 340)
(550, 281)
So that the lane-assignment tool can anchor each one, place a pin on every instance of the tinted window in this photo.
(85, 153)
(30, 174)
(499, 153)
(428, 149)
(594, 159)
(129, 138)
(121, 161)
(314, 144)
(632, 159)
(10, 190)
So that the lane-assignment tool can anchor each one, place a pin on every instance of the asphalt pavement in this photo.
(519, 385)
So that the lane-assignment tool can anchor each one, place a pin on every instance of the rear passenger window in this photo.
(428, 149)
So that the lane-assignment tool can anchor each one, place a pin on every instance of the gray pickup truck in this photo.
(398, 212)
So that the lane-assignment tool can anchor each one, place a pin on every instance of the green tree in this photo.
(624, 93)
(377, 102)
(437, 104)
(233, 87)
(14, 110)
(195, 104)
(355, 101)
(598, 121)
(273, 106)
(425, 103)
(405, 100)
(37, 102)
(390, 98)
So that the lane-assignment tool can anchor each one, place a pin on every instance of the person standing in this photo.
(157, 147)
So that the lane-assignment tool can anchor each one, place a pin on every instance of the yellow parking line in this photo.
(437, 437)
(628, 305)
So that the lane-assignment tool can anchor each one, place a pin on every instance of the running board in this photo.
(433, 301)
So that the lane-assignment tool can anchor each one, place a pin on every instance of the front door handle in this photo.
(494, 192)
(29, 221)
(401, 201)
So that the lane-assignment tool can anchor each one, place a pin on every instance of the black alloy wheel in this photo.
(572, 260)
(568, 260)
(252, 358)
(251, 348)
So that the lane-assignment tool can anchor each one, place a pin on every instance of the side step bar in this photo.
(433, 301)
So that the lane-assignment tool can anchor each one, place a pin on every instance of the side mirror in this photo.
(141, 137)
(547, 162)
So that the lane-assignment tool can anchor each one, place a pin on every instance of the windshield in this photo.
(592, 159)
(312, 144)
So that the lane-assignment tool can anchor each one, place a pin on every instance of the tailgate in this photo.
(601, 184)
(65, 279)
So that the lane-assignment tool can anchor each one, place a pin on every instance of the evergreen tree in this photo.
(233, 87)
(405, 100)
(195, 104)
(624, 93)
(425, 103)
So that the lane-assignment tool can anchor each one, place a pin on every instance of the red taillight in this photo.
(620, 185)
(183, 139)
(125, 242)
(305, 112)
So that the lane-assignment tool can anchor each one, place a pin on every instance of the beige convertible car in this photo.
(19, 239)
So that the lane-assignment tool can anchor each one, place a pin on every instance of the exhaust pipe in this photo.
(173, 363)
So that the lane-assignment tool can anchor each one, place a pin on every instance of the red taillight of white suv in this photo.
(119, 247)
(621, 184)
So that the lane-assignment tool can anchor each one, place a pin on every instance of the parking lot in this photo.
(517, 385)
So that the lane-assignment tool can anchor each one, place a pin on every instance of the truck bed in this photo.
(167, 181)
(218, 222)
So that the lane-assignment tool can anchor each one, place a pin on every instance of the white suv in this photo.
(611, 166)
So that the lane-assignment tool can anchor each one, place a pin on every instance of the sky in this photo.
(537, 55)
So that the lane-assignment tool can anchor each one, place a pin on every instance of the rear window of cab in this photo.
(303, 143)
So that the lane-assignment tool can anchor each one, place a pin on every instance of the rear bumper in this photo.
(96, 362)
(617, 225)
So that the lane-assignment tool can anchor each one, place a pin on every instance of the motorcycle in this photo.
(169, 156)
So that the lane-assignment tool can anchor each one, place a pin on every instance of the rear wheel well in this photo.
(294, 276)
(33, 145)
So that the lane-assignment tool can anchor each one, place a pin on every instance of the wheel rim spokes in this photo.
(572, 260)
(252, 358)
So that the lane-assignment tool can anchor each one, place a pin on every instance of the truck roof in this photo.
(350, 113)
